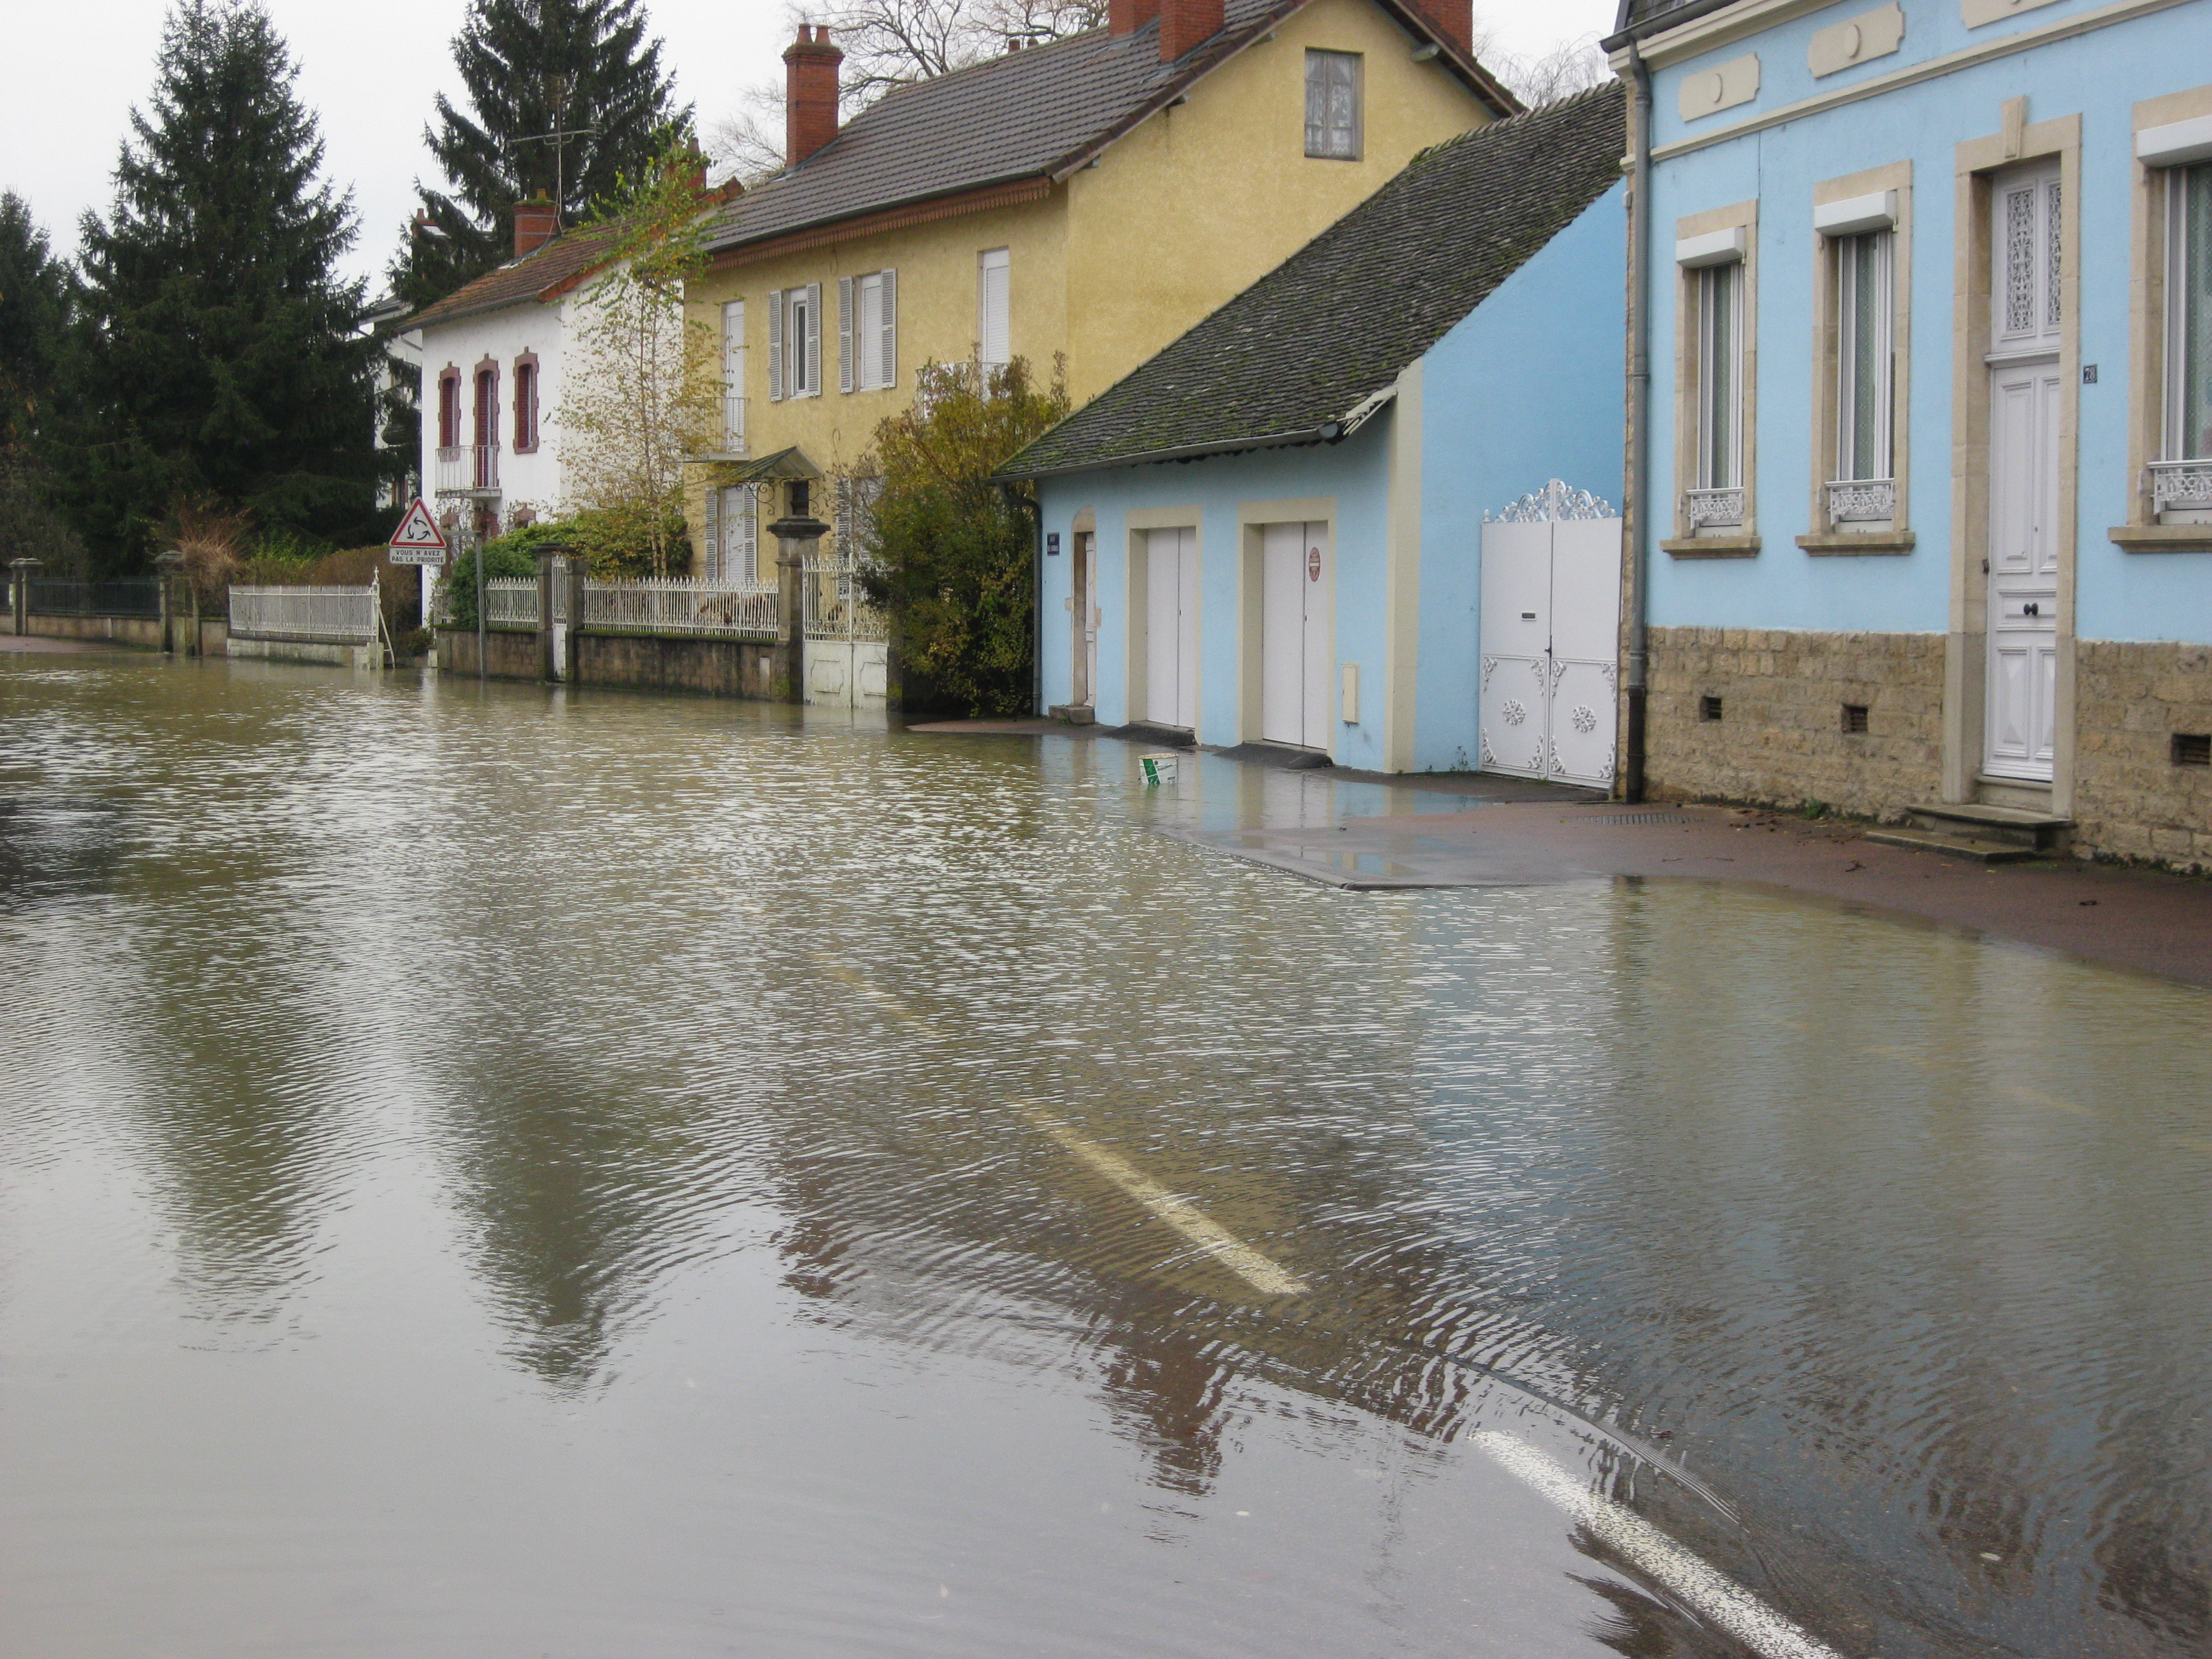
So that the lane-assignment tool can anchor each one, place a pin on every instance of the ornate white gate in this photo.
(1551, 623)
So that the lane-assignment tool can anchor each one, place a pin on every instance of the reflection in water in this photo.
(601, 1134)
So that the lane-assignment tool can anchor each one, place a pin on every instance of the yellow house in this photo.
(1088, 199)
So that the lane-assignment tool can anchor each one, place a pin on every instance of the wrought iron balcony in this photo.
(1713, 509)
(468, 470)
(1863, 500)
(2178, 485)
(733, 424)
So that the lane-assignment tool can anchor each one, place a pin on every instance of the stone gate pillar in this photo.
(796, 536)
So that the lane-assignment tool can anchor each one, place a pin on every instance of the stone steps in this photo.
(1982, 833)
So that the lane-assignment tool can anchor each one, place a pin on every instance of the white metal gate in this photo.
(1551, 623)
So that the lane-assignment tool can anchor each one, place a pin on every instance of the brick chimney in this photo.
(810, 92)
(1184, 23)
(1127, 16)
(536, 223)
(1452, 19)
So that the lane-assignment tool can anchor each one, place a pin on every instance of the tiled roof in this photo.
(1328, 331)
(541, 274)
(1028, 114)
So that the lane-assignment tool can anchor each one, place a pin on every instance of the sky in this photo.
(370, 74)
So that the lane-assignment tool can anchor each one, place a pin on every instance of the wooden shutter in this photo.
(714, 549)
(844, 334)
(741, 537)
(775, 345)
(887, 346)
(813, 344)
(993, 296)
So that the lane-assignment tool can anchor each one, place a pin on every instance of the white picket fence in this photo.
(512, 601)
(682, 606)
(322, 615)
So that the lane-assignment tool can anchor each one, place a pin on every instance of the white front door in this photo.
(1550, 624)
(1085, 640)
(2020, 680)
(1171, 629)
(1294, 646)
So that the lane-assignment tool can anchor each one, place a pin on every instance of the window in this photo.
(795, 342)
(733, 377)
(526, 403)
(1866, 371)
(1720, 382)
(1332, 104)
(992, 303)
(2189, 323)
(487, 420)
(449, 409)
(868, 331)
(733, 536)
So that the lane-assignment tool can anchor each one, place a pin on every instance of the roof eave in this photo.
(1328, 432)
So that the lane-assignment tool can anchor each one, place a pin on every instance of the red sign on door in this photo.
(1312, 564)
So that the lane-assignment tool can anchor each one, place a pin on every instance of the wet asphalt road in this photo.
(485, 1173)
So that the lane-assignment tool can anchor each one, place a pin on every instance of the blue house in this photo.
(1921, 488)
(1274, 531)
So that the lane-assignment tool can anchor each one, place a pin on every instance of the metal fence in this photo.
(837, 606)
(681, 605)
(324, 615)
(511, 601)
(466, 470)
(72, 596)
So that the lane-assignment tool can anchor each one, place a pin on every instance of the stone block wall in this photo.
(509, 654)
(712, 667)
(1780, 739)
(2131, 798)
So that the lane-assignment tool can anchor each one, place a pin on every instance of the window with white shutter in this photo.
(844, 377)
(740, 535)
(733, 377)
(811, 333)
(993, 294)
(1332, 104)
(869, 342)
(886, 338)
(775, 321)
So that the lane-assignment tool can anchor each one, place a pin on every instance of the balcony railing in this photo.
(1713, 509)
(733, 424)
(1862, 501)
(468, 470)
(2176, 484)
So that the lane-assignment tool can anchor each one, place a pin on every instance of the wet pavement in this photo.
(490, 1172)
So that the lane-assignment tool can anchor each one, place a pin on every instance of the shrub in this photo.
(954, 550)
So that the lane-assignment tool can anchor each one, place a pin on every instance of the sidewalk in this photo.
(1494, 834)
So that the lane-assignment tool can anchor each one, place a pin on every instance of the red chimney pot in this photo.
(536, 223)
(1184, 23)
(810, 92)
(1127, 16)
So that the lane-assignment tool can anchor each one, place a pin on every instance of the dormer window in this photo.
(1332, 104)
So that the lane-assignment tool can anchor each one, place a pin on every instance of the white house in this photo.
(491, 356)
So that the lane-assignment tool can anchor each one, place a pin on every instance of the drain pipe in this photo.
(1639, 483)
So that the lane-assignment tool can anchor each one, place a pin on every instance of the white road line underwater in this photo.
(1256, 1270)
(1705, 1588)
(1709, 1591)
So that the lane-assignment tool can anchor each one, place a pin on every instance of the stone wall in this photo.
(2131, 798)
(652, 662)
(513, 654)
(141, 631)
(1780, 739)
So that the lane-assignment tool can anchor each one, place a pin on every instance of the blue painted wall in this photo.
(1525, 389)
(2099, 74)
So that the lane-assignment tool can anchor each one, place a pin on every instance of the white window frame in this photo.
(733, 377)
(1716, 470)
(795, 342)
(1852, 466)
(868, 331)
(2176, 444)
(994, 262)
(1329, 138)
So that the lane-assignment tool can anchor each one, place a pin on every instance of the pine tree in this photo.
(218, 357)
(534, 69)
(33, 308)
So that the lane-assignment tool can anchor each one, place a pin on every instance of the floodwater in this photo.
(483, 1172)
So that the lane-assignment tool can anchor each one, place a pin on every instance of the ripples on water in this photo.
(472, 1184)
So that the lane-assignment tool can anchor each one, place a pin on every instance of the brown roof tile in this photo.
(543, 274)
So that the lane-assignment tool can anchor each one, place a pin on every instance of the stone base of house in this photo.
(1761, 715)
(2138, 793)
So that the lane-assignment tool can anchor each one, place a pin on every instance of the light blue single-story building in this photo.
(1274, 531)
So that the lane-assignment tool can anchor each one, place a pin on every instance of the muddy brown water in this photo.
(483, 1172)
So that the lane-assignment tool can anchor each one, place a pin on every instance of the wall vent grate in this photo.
(1855, 717)
(1641, 818)
(2192, 749)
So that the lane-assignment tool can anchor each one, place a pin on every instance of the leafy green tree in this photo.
(218, 356)
(952, 547)
(531, 69)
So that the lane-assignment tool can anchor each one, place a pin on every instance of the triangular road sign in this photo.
(418, 529)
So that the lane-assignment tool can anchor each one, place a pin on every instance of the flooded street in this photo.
(485, 1173)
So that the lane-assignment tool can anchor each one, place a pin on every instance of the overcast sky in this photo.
(370, 73)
